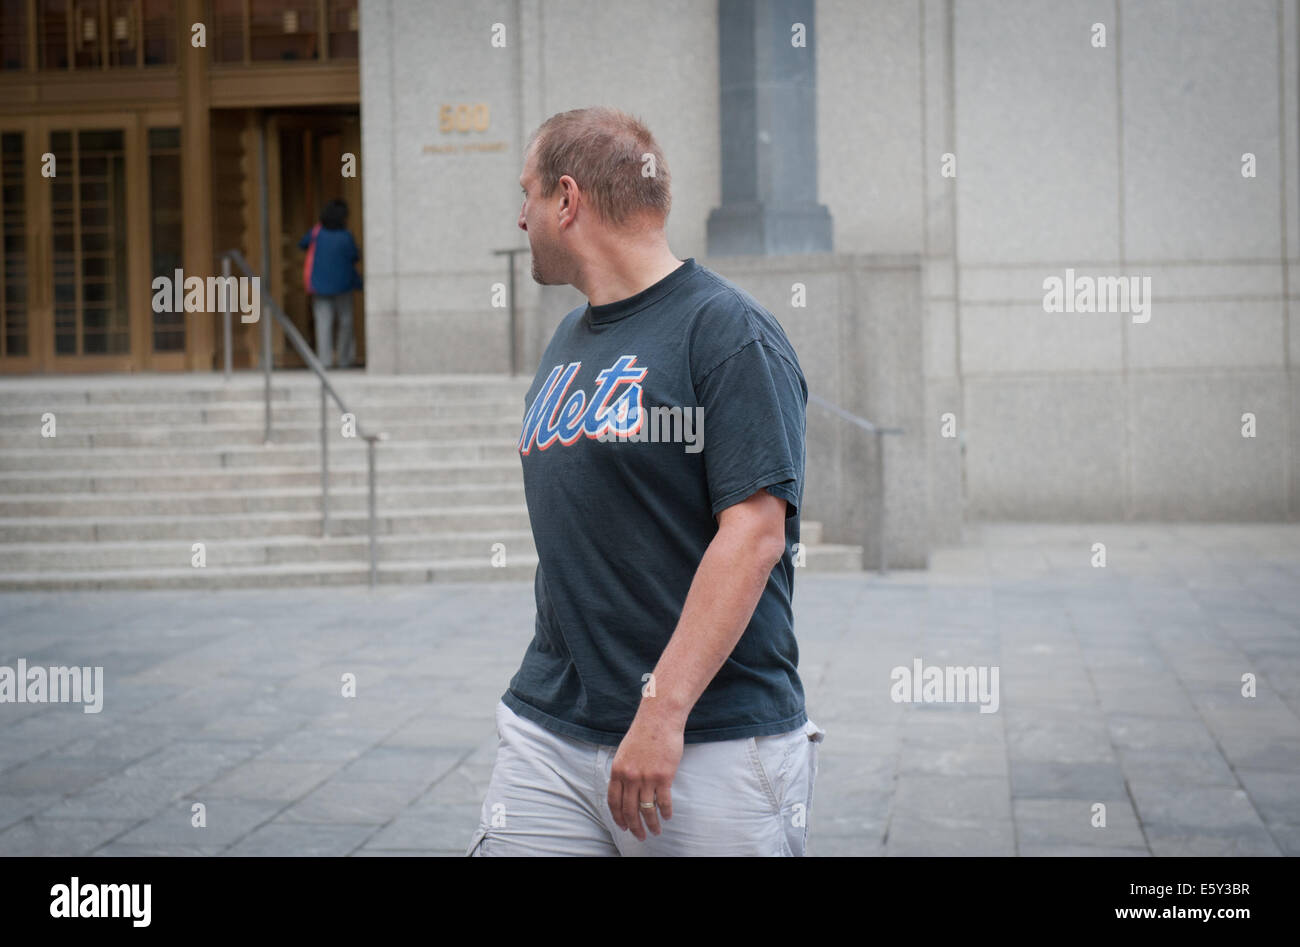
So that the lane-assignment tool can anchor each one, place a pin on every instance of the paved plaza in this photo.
(1118, 685)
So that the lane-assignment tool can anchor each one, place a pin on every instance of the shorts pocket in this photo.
(501, 708)
(760, 772)
(788, 762)
(776, 754)
(477, 843)
(815, 736)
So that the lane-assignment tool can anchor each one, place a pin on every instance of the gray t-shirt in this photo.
(623, 491)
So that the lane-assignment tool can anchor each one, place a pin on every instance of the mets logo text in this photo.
(610, 411)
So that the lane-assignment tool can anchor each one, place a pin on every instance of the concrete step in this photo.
(276, 550)
(120, 554)
(304, 455)
(503, 429)
(340, 563)
(343, 473)
(830, 557)
(209, 528)
(85, 416)
(239, 502)
(284, 575)
(49, 392)
(243, 551)
(39, 395)
(145, 466)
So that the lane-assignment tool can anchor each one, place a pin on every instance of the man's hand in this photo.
(643, 771)
(727, 585)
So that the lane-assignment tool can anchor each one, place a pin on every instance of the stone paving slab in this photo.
(1073, 823)
(60, 837)
(352, 803)
(226, 822)
(278, 839)
(1119, 687)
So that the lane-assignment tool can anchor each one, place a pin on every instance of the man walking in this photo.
(658, 709)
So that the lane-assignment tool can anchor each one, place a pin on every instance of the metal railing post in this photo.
(514, 311)
(324, 466)
(225, 312)
(266, 368)
(879, 433)
(327, 391)
(880, 521)
(370, 459)
(266, 267)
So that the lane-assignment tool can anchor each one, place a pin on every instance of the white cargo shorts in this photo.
(547, 796)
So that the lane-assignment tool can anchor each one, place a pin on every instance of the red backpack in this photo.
(311, 258)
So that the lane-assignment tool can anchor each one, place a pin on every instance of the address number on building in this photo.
(464, 118)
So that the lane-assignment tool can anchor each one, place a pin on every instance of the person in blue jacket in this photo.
(330, 277)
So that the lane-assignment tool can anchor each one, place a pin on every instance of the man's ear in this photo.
(568, 195)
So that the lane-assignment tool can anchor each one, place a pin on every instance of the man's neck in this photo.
(619, 276)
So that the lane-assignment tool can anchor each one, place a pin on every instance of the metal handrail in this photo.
(513, 329)
(879, 433)
(304, 351)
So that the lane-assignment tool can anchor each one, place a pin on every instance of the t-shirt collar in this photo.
(610, 312)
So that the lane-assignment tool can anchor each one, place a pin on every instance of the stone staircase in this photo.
(145, 466)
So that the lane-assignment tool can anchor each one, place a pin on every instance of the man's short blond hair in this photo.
(610, 154)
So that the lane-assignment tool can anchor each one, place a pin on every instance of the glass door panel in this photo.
(15, 338)
(88, 230)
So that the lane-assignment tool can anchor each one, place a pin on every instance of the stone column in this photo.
(769, 131)
(197, 254)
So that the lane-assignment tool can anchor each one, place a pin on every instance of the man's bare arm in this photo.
(727, 586)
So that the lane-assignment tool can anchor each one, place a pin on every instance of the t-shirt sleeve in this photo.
(754, 422)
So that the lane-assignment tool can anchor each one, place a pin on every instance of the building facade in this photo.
(988, 147)
(932, 166)
(138, 139)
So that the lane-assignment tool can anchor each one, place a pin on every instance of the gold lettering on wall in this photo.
(464, 118)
